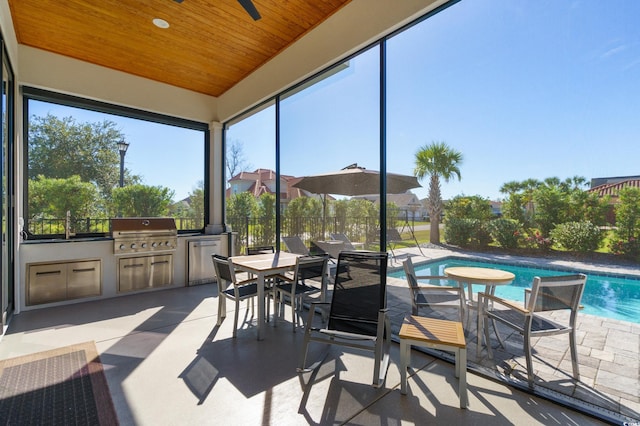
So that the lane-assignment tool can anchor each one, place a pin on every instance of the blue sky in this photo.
(522, 88)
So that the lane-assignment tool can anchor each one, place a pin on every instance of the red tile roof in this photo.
(612, 189)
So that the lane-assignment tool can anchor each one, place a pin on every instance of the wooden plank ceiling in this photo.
(209, 46)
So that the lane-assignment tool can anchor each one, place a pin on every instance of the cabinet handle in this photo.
(159, 262)
(136, 265)
(84, 270)
(58, 272)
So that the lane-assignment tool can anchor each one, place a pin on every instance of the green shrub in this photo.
(466, 233)
(578, 236)
(507, 233)
(537, 240)
(629, 248)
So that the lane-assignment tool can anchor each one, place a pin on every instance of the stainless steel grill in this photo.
(142, 236)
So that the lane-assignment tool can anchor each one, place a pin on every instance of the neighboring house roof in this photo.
(595, 182)
(261, 181)
(612, 189)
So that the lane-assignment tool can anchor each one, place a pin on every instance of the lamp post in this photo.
(122, 147)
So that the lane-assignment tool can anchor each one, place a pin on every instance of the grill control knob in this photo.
(133, 246)
(154, 244)
(144, 245)
(122, 246)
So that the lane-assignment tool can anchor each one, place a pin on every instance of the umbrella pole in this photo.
(324, 215)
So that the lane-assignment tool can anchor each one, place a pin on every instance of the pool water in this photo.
(604, 296)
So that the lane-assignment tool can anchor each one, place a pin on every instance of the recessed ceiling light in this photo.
(160, 23)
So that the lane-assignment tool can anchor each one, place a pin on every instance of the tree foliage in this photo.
(469, 207)
(628, 214)
(52, 198)
(141, 201)
(436, 160)
(89, 150)
(266, 232)
(551, 202)
(191, 209)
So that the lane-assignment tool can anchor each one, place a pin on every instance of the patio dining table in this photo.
(264, 265)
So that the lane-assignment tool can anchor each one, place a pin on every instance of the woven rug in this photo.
(62, 386)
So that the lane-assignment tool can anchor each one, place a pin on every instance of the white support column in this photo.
(216, 180)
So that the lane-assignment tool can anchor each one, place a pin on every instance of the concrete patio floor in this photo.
(167, 363)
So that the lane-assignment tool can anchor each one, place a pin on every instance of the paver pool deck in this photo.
(608, 350)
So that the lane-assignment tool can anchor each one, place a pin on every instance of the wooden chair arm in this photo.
(435, 287)
(249, 281)
(503, 302)
(432, 277)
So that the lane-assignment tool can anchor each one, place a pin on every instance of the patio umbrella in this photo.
(353, 180)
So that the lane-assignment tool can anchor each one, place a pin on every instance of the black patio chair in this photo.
(296, 287)
(230, 288)
(358, 316)
(437, 296)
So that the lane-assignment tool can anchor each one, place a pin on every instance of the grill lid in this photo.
(123, 225)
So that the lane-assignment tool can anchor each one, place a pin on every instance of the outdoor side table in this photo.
(436, 334)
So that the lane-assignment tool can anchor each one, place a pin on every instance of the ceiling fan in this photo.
(247, 5)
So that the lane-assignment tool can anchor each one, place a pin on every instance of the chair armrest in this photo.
(282, 277)
(312, 311)
(249, 281)
(436, 287)
(502, 302)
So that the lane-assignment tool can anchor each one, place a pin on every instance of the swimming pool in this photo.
(604, 296)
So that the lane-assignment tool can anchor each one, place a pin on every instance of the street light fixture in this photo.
(122, 147)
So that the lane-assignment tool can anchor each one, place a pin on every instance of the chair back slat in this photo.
(410, 272)
(359, 292)
(222, 268)
(558, 292)
(311, 267)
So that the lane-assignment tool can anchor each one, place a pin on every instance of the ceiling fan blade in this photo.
(250, 8)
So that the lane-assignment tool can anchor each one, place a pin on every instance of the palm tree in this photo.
(436, 161)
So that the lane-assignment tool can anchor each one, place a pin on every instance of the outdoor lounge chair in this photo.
(294, 244)
(546, 294)
(435, 296)
(394, 237)
(358, 316)
(348, 245)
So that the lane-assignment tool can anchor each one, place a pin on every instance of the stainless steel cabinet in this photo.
(143, 272)
(54, 282)
(199, 264)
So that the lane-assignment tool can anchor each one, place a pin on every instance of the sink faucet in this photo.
(67, 226)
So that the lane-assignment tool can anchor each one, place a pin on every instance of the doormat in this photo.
(60, 386)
